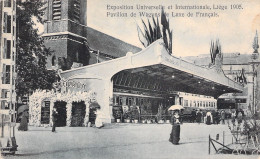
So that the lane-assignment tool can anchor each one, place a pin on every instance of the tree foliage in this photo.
(215, 50)
(31, 52)
(155, 31)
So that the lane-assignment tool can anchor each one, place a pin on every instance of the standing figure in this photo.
(239, 117)
(54, 119)
(217, 117)
(199, 115)
(175, 133)
(233, 117)
(223, 116)
(24, 124)
(193, 115)
(209, 118)
(99, 116)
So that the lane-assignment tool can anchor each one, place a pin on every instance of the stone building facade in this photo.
(7, 52)
(242, 68)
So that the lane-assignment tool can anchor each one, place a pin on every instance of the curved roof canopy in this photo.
(164, 72)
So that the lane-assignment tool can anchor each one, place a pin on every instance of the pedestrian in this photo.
(214, 117)
(54, 119)
(233, 117)
(204, 116)
(217, 117)
(223, 116)
(199, 115)
(98, 121)
(24, 122)
(193, 116)
(175, 133)
(209, 118)
(239, 117)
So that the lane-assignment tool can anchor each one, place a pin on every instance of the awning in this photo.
(159, 71)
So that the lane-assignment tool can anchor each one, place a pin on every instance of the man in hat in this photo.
(54, 119)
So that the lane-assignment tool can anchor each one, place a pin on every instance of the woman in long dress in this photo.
(99, 116)
(209, 118)
(24, 124)
(175, 133)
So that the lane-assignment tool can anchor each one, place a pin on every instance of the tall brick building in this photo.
(73, 43)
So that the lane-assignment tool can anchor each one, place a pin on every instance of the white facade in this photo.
(99, 77)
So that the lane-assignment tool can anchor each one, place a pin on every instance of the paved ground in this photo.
(121, 141)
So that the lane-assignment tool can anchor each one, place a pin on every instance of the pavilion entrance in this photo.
(62, 113)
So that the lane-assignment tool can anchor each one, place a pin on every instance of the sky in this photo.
(235, 28)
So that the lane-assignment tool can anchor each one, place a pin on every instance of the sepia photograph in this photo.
(112, 79)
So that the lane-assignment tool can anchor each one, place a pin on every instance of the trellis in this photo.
(39, 96)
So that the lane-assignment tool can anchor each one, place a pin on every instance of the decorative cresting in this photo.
(39, 96)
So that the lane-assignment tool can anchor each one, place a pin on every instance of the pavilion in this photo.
(152, 72)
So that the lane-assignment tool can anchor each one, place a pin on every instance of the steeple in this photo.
(255, 43)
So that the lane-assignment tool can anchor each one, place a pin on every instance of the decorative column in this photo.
(108, 102)
(86, 119)
(51, 108)
(69, 113)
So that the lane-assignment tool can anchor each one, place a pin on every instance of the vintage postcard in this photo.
(105, 79)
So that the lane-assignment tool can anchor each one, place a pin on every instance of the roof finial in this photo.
(255, 43)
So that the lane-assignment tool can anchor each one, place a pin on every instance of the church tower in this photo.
(65, 33)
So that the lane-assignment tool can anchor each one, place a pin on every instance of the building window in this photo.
(7, 23)
(7, 3)
(186, 103)
(129, 101)
(13, 79)
(6, 74)
(5, 93)
(56, 10)
(14, 5)
(7, 49)
(53, 61)
(13, 31)
(76, 10)
(77, 56)
(13, 58)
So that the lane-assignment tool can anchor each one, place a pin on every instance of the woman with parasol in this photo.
(175, 121)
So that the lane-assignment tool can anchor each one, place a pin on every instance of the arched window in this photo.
(77, 56)
(53, 61)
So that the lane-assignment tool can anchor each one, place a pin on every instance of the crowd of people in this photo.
(216, 116)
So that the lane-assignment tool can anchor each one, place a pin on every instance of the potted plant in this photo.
(168, 119)
(126, 117)
(136, 117)
(143, 119)
(117, 113)
(149, 120)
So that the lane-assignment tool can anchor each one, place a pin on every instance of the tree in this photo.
(31, 51)
(157, 31)
(215, 50)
